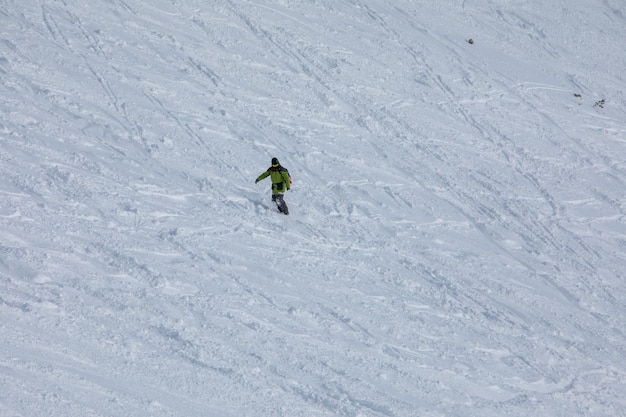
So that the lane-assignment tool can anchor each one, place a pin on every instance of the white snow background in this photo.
(457, 238)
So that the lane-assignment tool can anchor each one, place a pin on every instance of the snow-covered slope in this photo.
(457, 237)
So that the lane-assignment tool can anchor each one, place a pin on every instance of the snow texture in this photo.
(457, 238)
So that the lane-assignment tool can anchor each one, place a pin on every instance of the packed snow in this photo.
(456, 244)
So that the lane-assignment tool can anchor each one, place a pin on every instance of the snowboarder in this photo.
(281, 182)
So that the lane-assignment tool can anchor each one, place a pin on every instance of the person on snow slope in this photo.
(281, 182)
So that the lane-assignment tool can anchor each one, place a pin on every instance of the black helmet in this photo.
(275, 162)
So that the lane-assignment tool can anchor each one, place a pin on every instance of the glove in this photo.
(255, 181)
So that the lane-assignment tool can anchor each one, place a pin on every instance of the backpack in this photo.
(290, 180)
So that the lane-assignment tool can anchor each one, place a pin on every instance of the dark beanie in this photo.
(275, 161)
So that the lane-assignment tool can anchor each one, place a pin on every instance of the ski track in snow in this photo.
(456, 239)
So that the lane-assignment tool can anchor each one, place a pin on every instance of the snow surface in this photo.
(457, 237)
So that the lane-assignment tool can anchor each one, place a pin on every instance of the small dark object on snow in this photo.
(577, 95)
(470, 41)
(600, 104)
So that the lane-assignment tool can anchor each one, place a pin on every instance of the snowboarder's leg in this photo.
(280, 203)
(276, 200)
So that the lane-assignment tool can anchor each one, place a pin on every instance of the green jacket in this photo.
(280, 179)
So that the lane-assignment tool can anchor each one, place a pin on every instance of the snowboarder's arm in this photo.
(262, 176)
(286, 178)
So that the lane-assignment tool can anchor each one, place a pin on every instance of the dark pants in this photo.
(280, 203)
